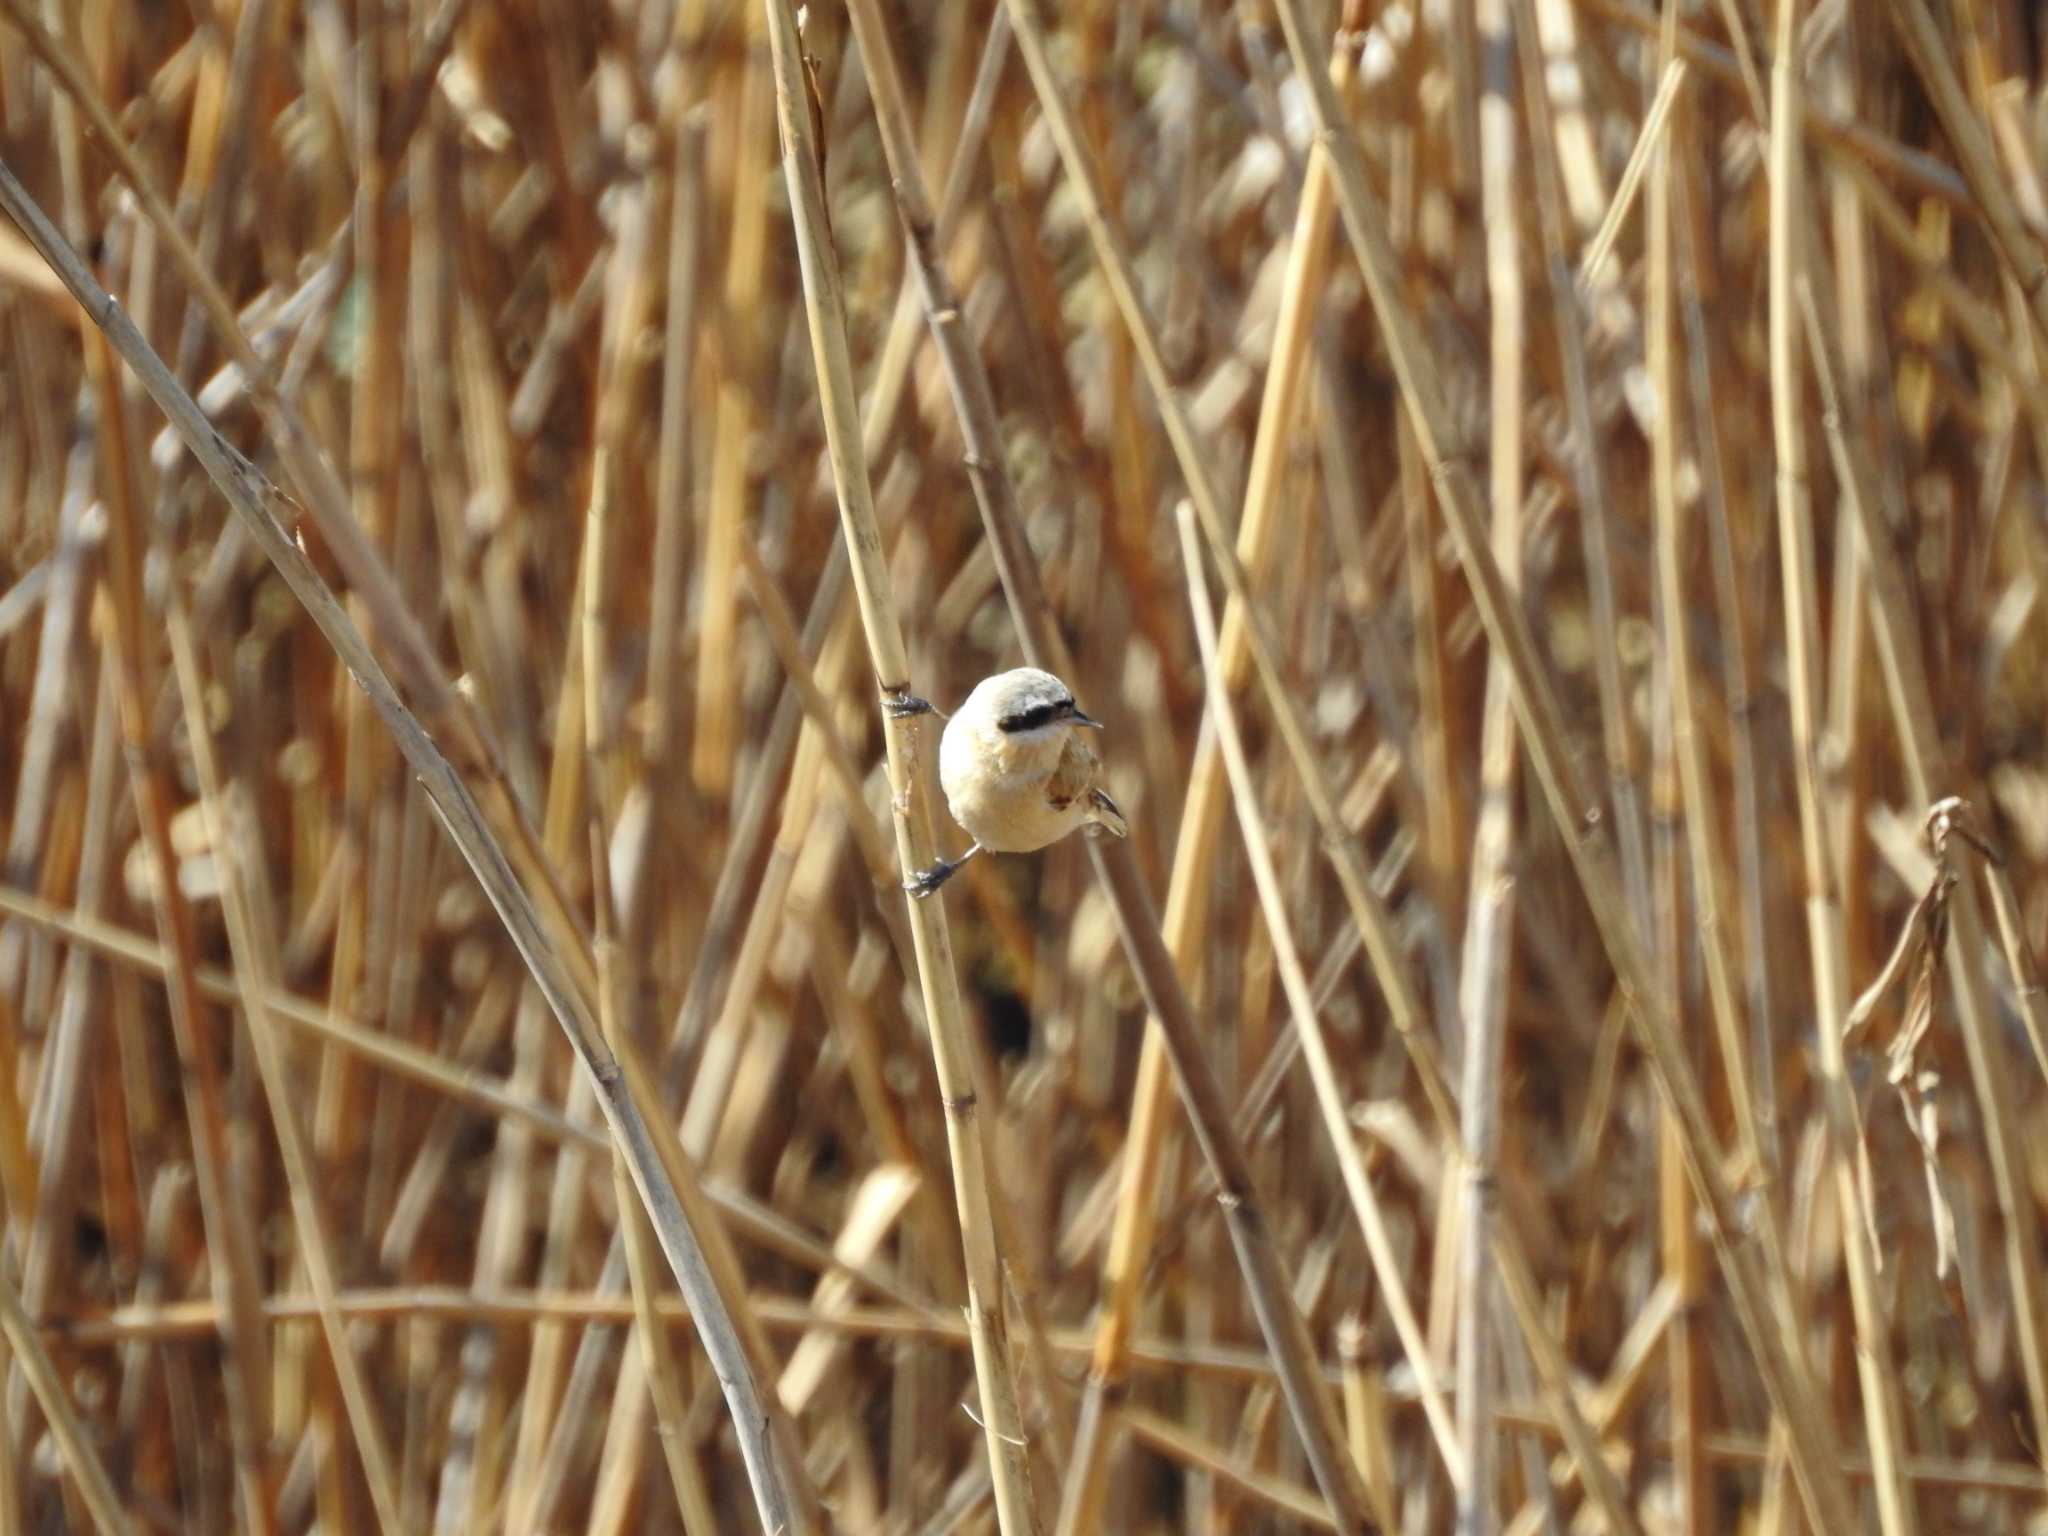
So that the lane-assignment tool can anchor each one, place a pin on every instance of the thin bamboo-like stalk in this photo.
(1927, 769)
(1486, 970)
(73, 1442)
(1991, 190)
(1330, 1097)
(1812, 1439)
(1618, 733)
(1309, 1403)
(1681, 794)
(252, 496)
(1881, 1402)
(916, 845)
(223, 1202)
(1124, 1261)
(248, 908)
(663, 1377)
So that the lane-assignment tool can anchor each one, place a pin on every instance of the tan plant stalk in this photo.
(1485, 977)
(1583, 830)
(1681, 794)
(1308, 1399)
(256, 960)
(259, 504)
(664, 1385)
(1991, 189)
(1927, 772)
(73, 1442)
(916, 845)
(1881, 1403)
(1329, 1091)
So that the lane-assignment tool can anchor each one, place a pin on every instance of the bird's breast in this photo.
(998, 788)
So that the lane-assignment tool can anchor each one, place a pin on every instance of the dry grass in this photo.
(1628, 508)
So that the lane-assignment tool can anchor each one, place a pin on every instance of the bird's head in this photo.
(1027, 702)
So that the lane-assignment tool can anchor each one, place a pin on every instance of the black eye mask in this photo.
(1038, 714)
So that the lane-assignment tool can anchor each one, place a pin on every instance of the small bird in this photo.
(1018, 769)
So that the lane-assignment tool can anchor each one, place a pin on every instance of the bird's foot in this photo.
(899, 703)
(926, 884)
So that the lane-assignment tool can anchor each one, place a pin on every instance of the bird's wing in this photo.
(1074, 775)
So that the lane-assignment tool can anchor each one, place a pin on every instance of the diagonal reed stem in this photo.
(1138, 927)
(916, 845)
(258, 503)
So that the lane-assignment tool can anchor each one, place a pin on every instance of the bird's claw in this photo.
(926, 884)
(902, 704)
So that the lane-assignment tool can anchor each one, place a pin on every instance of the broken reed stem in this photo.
(1882, 1412)
(256, 501)
(1991, 193)
(1580, 826)
(1307, 1397)
(1927, 772)
(952, 1050)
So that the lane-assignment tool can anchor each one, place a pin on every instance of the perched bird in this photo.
(1019, 769)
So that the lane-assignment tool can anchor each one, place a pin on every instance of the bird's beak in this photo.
(1088, 720)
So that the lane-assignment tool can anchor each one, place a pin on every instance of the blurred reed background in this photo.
(1697, 1115)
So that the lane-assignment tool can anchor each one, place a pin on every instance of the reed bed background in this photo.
(1551, 499)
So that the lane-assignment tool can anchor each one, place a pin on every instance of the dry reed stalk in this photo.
(256, 501)
(222, 1201)
(1650, 142)
(1315, 1048)
(952, 1052)
(1682, 794)
(1130, 1242)
(1408, 1014)
(1314, 1414)
(1618, 734)
(88, 1472)
(246, 901)
(1911, 696)
(1881, 1402)
(662, 1374)
(1485, 978)
(1136, 924)
(1819, 1476)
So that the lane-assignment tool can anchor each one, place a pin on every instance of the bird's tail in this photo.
(1103, 812)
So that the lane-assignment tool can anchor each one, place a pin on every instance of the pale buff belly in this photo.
(1000, 797)
(1013, 818)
